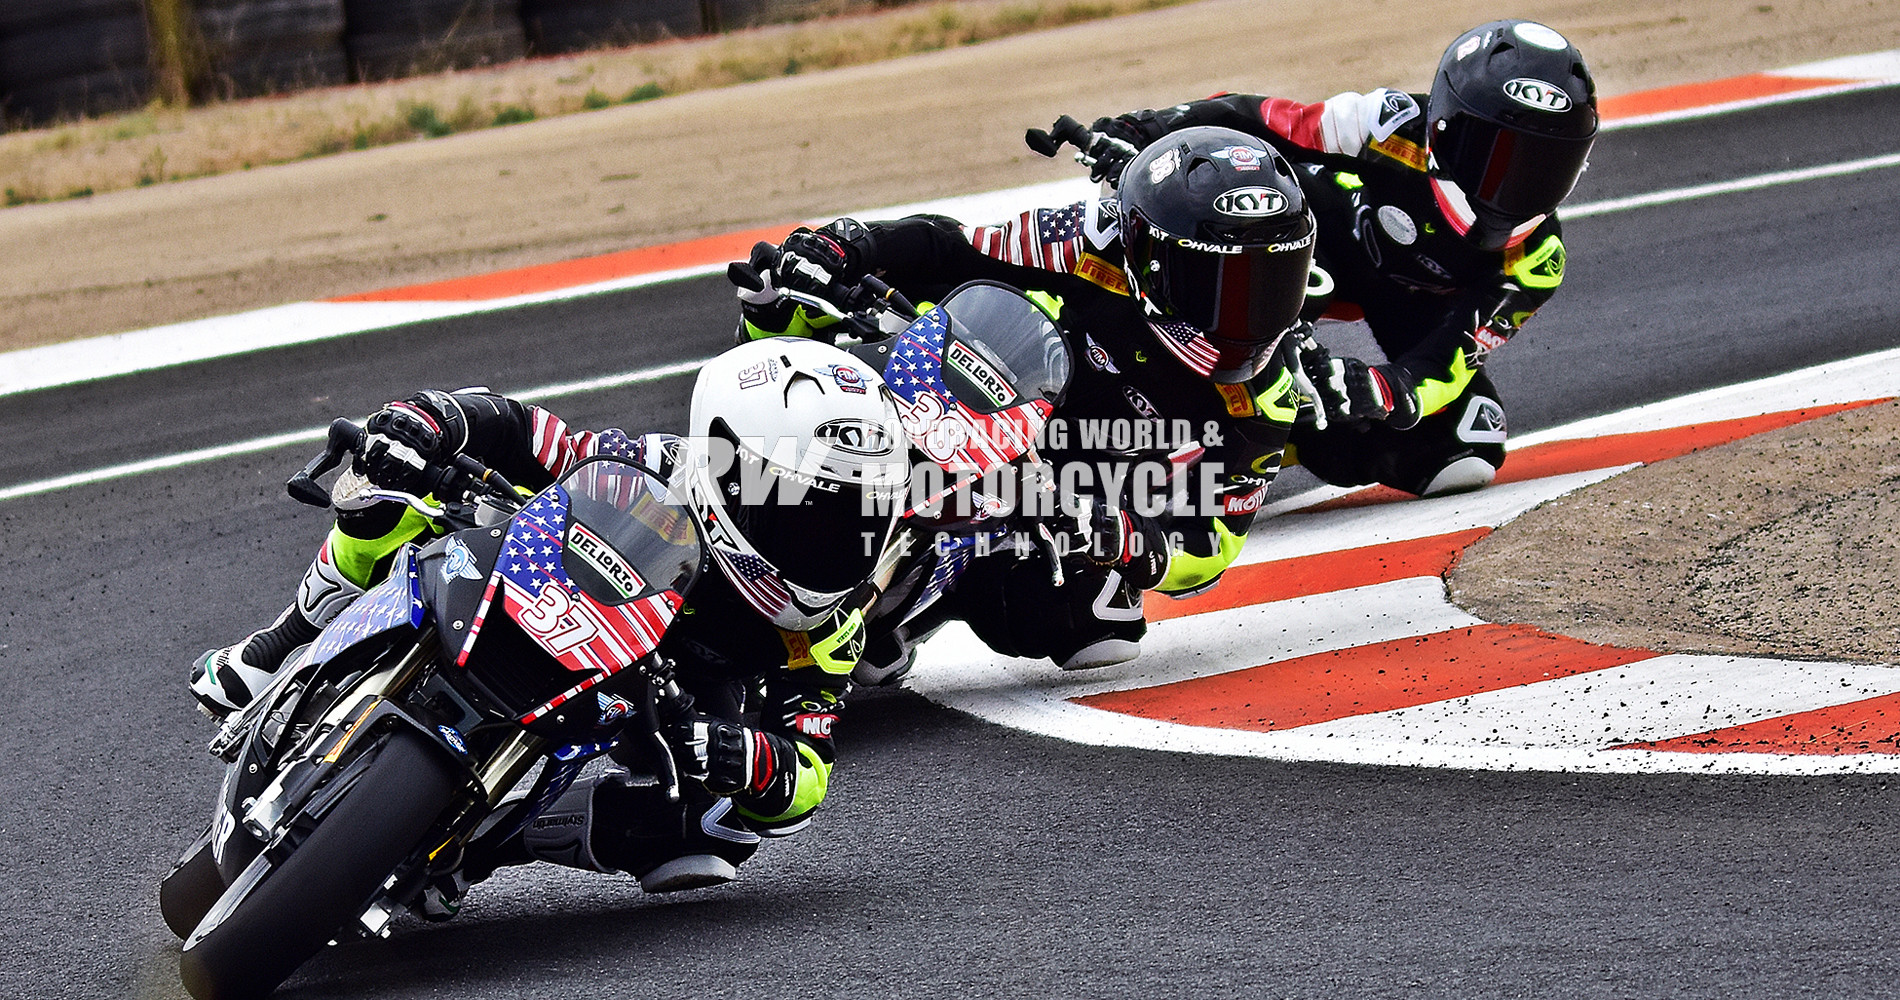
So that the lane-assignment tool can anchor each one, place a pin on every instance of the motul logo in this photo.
(1251, 203)
(1537, 94)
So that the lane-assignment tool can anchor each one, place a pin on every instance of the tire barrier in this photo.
(384, 39)
(270, 46)
(70, 57)
(575, 25)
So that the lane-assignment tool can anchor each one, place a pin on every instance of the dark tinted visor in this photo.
(1515, 174)
(812, 529)
(1002, 350)
(1243, 301)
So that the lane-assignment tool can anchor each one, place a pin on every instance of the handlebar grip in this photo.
(344, 438)
(1041, 142)
(744, 275)
(1072, 132)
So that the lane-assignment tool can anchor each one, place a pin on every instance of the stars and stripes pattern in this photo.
(559, 449)
(393, 602)
(1187, 343)
(1049, 238)
(536, 591)
(941, 426)
(756, 580)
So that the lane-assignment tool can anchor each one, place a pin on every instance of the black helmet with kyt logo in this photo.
(1218, 240)
(1511, 117)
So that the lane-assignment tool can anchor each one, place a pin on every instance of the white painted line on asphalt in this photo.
(1204, 645)
(1655, 699)
(315, 434)
(302, 322)
(1293, 534)
(1736, 186)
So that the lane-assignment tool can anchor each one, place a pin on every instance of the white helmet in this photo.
(798, 474)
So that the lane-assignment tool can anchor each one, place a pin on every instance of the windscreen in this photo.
(1002, 350)
(628, 536)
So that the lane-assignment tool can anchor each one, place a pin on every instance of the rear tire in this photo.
(327, 881)
(192, 888)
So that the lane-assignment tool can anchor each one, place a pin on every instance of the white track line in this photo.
(1737, 186)
(302, 322)
(312, 435)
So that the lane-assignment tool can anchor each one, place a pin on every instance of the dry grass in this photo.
(165, 144)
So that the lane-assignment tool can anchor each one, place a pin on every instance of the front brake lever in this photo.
(344, 438)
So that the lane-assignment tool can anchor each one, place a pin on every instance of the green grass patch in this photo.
(512, 114)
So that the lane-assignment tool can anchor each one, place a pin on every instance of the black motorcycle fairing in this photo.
(453, 573)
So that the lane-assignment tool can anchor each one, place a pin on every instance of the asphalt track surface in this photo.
(957, 857)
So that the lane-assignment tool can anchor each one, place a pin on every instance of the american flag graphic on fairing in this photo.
(940, 425)
(582, 633)
(390, 603)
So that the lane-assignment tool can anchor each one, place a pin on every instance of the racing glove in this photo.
(1122, 540)
(401, 440)
(1136, 128)
(1352, 392)
(731, 759)
(813, 262)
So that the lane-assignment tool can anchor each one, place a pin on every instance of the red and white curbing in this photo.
(302, 322)
(1333, 638)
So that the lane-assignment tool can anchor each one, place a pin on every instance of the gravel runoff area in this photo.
(1778, 544)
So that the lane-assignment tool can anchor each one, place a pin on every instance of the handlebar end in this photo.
(744, 275)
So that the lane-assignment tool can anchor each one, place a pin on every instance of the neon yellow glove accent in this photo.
(1051, 304)
(1188, 571)
(356, 558)
(1540, 268)
(1435, 395)
(1351, 182)
(803, 324)
(808, 789)
(1280, 403)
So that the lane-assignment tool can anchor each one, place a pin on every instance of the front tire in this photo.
(284, 918)
(192, 888)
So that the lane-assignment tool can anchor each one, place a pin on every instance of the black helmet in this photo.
(1218, 240)
(1512, 115)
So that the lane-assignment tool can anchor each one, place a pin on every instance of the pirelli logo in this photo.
(797, 649)
(1403, 150)
(1239, 403)
(1098, 271)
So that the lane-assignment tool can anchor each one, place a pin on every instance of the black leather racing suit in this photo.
(1436, 304)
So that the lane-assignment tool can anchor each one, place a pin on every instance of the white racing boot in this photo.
(225, 680)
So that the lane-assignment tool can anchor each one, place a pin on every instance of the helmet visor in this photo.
(1242, 301)
(821, 534)
(1512, 174)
